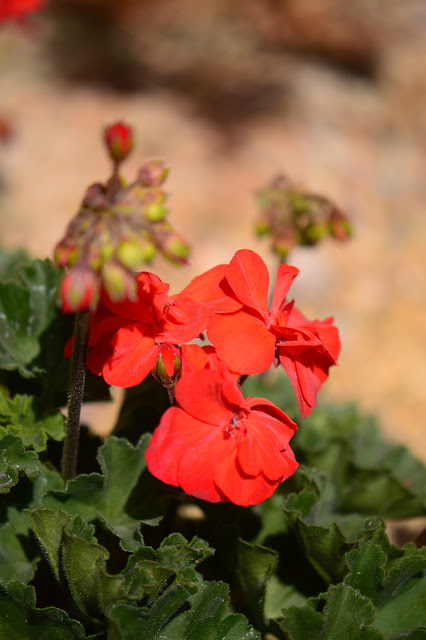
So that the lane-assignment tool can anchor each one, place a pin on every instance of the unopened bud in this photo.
(283, 243)
(155, 212)
(340, 227)
(119, 141)
(118, 283)
(175, 248)
(130, 254)
(262, 228)
(66, 255)
(152, 174)
(79, 290)
(167, 368)
(313, 234)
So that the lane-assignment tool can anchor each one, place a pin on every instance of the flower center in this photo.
(232, 428)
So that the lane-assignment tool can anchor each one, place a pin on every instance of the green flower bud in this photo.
(155, 212)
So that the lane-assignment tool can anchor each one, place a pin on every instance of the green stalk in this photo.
(75, 394)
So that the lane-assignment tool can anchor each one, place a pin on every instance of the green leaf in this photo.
(395, 581)
(10, 261)
(84, 566)
(148, 571)
(77, 560)
(48, 526)
(14, 460)
(107, 497)
(21, 620)
(347, 615)
(16, 561)
(208, 617)
(20, 417)
(256, 565)
(324, 546)
(27, 307)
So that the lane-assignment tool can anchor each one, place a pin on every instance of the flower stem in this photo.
(75, 394)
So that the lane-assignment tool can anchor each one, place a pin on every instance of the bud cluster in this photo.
(119, 228)
(293, 217)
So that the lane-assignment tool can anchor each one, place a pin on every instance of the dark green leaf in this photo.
(15, 460)
(19, 416)
(206, 617)
(106, 496)
(16, 560)
(20, 620)
(148, 571)
(27, 307)
(256, 565)
(347, 615)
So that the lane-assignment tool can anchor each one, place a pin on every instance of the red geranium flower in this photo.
(18, 8)
(249, 337)
(218, 446)
(128, 337)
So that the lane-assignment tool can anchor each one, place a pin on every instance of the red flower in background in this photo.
(249, 337)
(18, 8)
(128, 337)
(216, 445)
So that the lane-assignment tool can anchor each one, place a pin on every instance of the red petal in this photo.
(242, 341)
(202, 394)
(133, 357)
(239, 488)
(248, 278)
(184, 320)
(199, 463)
(285, 277)
(176, 432)
(261, 447)
(212, 289)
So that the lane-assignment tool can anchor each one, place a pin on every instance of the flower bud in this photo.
(119, 141)
(340, 227)
(155, 212)
(167, 368)
(130, 253)
(175, 248)
(66, 254)
(262, 228)
(79, 290)
(283, 243)
(118, 283)
(152, 174)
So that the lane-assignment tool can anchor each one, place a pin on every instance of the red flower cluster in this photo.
(215, 444)
(18, 8)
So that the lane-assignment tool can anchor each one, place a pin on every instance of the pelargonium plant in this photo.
(225, 504)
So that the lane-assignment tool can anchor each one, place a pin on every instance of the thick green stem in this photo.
(75, 394)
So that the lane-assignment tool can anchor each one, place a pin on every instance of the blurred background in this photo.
(229, 93)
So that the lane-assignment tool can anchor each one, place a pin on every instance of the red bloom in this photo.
(218, 446)
(18, 8)
(128, 337)
(249, 337)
